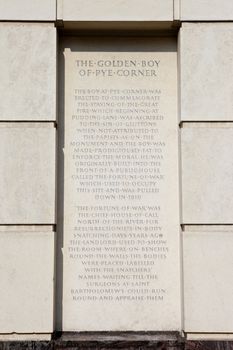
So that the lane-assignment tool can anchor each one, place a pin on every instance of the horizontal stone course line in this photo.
(206, 124)
(27, 228)
(207, 227)
(206, 21)
(28, 21)
(27, 124)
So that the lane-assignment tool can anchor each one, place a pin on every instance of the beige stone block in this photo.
(176, 10)
(207, 168)
(27, 282)
(114, 10)
(25, 337)
(206, 67)
(27, 175)
(206, 10)
(208, 281)
(28, 10)
(209, 336)
(27, 71)
(59, 9)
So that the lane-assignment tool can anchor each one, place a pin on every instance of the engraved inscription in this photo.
(121, 190)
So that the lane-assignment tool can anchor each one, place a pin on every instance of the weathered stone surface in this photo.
(27, 181)
(208, 280)
(27, 281)
(126, 10)
(27, 71)
(206, 51)
(206, 10)
(207, 182)
(28, 10)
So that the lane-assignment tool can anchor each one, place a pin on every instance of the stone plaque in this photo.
(121, 194)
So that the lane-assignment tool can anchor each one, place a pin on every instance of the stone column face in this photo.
(206, 107)
(28, 173)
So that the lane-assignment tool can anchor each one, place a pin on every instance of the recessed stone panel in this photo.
(28, 10)
(27, 181)
(206, 51)
(121, 253)
(206, 10)
(27, 71)
(208, 280)
(27, 281)
(207, 168)
(126, 10)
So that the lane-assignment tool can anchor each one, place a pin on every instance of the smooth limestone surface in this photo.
(28, 10)
(121, 185)
(207, 168)
(206, 10)
(208, 280)
(28, 71)
(125, 10)
(159, 10)
(206, 65)
(27, 281)
(27, 175)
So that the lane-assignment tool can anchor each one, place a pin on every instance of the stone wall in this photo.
(31, 233)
